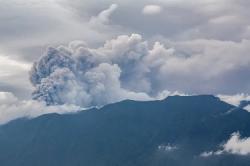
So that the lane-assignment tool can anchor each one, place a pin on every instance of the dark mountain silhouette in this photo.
(173, 132)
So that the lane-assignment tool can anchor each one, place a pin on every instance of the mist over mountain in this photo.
(180, 130)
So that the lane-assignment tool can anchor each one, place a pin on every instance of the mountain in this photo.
(173, 132)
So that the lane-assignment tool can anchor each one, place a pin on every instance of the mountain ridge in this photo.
(128, 133)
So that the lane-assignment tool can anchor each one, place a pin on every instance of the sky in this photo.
(84, 53)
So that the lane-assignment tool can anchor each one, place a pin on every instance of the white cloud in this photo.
(211, 153)
(151, 9)
(165, 93)
(216, 66)
(235, 99)
(237, 145)
(167, 148)
(10, 67)
(206, 154)
(234, 145)
(55, 23)
(11, 108)
(14, 75)
(7, 64)
(247, 108)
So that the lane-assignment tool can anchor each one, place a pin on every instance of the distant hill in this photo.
(171, 132)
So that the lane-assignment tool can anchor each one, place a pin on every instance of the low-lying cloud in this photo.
(239, 100)
(237, 145)
(234, 145)
(12, 108)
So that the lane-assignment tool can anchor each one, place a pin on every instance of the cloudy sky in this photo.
(86, 53)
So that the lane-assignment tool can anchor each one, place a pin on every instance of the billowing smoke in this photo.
(83, 76)
(127, 67)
